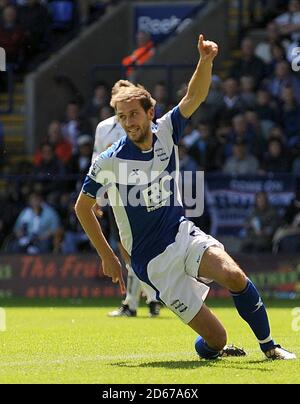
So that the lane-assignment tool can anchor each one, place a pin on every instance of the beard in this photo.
(139, 135)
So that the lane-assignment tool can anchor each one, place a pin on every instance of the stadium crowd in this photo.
(249, 124)
(30, 30)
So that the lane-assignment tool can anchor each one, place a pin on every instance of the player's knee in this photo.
(236, 280)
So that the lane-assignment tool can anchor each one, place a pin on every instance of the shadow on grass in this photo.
(218, 364)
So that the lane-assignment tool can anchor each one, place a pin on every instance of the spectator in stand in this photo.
(202, 147)
(289, 25)
(3, 4)
(74, 125)
(262, 11)
(278, 55)
(62, 147)
(99, 103)
(12, 37)
(242, 130)
(249, 64)
(241, 163)
(10, 206)
(290, 114)
(267, 111)
(275, 160)
(292, 214)
(144, 51)
(296, 167)
(264, 49)
(100, 99)
(224, 143)
(74, 239)
(214, 101)
(81, 161)
(35, 20)
(260, 226)
(248, 95)
(287, 237)
(283, 77)
(160, 95)
(187, 163)
(232, 101)
(49, 164)
(105, 113)
(47, 170)
(258, 142)
(277, 132)
(35, 227)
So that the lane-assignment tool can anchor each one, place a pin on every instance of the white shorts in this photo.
(174, 272)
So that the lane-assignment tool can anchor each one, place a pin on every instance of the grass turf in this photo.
(54, 342)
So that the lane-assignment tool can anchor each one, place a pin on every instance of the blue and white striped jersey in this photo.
(143, 190)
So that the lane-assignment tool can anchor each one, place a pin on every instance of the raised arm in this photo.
(110, 263)
(200, 82)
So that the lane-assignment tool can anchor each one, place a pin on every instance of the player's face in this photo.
(135, 121)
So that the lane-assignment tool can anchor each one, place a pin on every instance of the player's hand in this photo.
(113, 269)
(207, 49)
(98, 211)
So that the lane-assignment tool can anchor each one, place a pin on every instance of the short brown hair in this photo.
(121, 84)
(134, 92)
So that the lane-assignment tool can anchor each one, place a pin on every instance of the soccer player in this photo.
(167, 251)
(108, 132)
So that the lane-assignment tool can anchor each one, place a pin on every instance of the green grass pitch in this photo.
(78, 343)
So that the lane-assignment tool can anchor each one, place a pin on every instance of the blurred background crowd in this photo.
(249, 125)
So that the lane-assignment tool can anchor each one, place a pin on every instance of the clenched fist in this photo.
(207, 49)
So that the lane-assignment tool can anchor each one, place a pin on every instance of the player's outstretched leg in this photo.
(217, 265)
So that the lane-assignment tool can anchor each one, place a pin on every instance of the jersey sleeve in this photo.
(98, 146)
(99, 176)
(174, 123)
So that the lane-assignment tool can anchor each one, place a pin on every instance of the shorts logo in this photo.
(195, 233)
(177, 305)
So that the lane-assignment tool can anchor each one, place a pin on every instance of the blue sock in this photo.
(204, 351)
(252, 310)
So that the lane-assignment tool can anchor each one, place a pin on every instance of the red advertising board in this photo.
(51, 276)
(80, 276)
